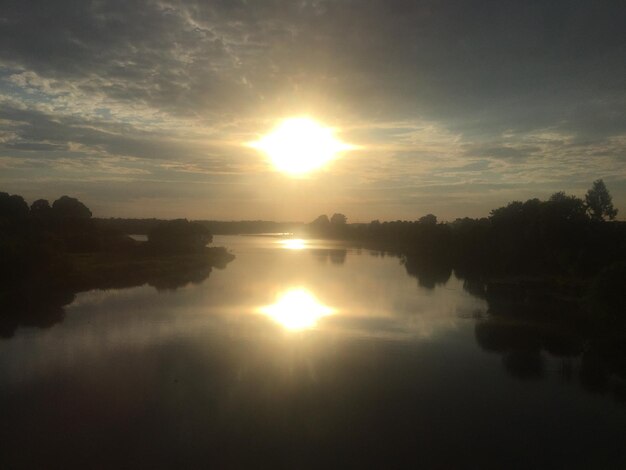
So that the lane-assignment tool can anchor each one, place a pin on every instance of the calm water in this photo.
(298, 355)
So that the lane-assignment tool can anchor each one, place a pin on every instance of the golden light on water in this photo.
(300, 145)
(297, 309)
(293, 244)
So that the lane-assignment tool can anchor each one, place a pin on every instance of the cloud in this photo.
(435, 92)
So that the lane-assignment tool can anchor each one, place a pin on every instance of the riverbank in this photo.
(37, 299)
(598, 298)
(103, 270)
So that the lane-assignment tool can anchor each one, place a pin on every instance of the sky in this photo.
(143, 108)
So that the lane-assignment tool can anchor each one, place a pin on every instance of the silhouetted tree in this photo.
(40, 209)
(338, 219)
(320, 227)
(599, 202)
(564, 207)
(70, 207)
(321, 221)
(13, 208)
(72, 224)
(428, 219)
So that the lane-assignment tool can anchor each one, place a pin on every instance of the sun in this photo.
(300, 145)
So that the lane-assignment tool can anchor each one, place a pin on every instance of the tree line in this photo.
(216, 227)
(562, 237)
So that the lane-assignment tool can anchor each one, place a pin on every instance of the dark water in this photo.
(296, 356)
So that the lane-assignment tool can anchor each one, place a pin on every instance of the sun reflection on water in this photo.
(293, 244)
(297, 309)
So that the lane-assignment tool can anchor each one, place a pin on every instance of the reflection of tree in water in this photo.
(429, 267)
(378, 253)
(520, 346)
(429, 273)
(28, 309)
(176, 280)
(525, 364)
(334, 255)
(603, 367)
(593, 356)
(26, 305)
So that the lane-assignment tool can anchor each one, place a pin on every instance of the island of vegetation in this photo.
(50, 253)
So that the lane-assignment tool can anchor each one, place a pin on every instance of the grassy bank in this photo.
(167, 271)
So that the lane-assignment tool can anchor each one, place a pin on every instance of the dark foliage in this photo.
(128, 226)
(599, 202)
(607, 292)
(525, 337)
(179, 236)
(534, 238)
(41, 210)
(338, 219)
(144, 226)
(50, 253)
(13, 208)
(70, 208)
(322, 222)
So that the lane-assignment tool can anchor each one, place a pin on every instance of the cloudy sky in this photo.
(142, 108)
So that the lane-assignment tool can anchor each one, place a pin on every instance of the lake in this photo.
(302, 354)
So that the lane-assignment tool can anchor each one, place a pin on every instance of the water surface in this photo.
(299, 354)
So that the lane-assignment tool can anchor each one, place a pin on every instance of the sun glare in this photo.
(300, 145)
(293, 244)
(296, 309)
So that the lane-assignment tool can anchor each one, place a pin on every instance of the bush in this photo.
(179, 236)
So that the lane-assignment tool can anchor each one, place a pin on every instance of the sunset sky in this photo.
(144, 108)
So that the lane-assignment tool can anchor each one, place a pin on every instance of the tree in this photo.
(13, 208)
(563, 207)
(70, 208)
(40, 209)
(338, 219)
(179, 236)
(599, 202)
(428, 219)
(321, 221)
